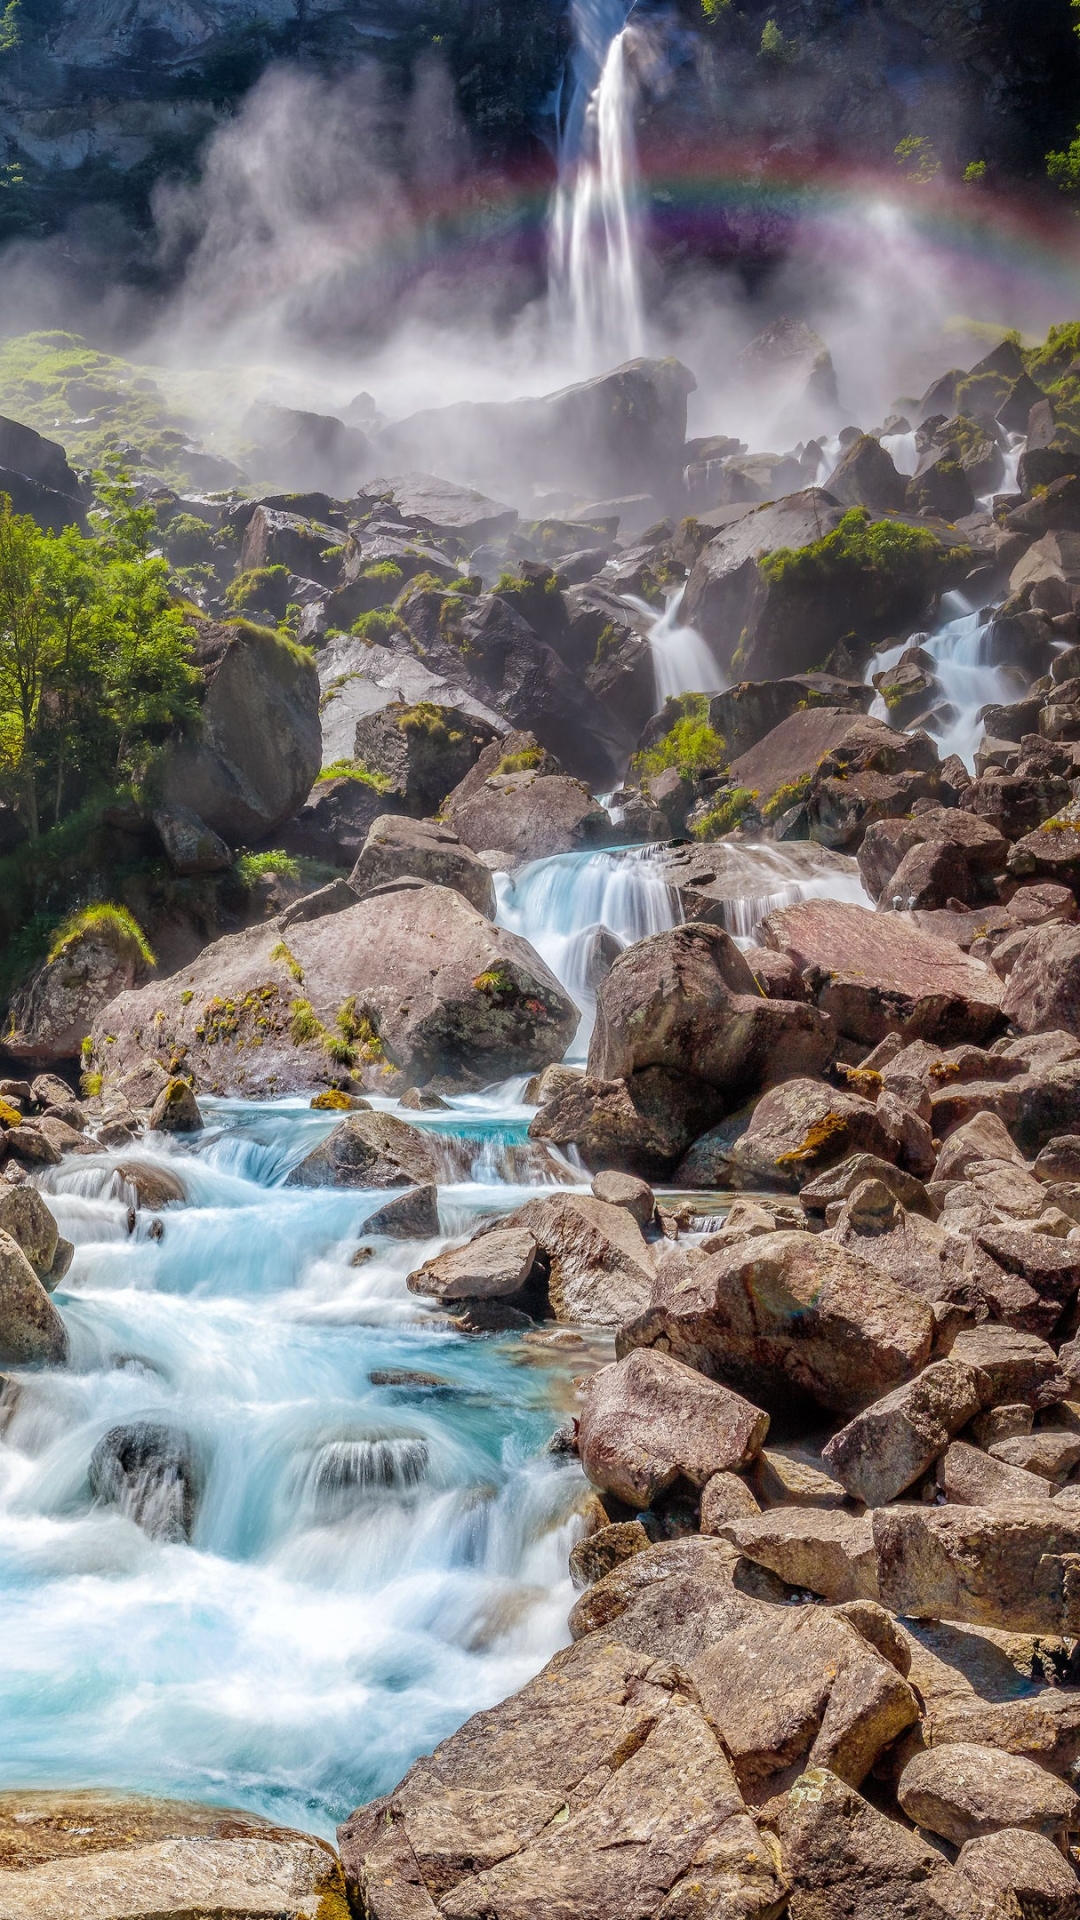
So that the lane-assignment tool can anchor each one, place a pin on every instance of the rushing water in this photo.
(594, 241)
(969, 681)
(369, 1562)
(682, 660)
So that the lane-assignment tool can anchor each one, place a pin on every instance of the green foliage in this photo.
(426, 718)
(1063, 168)
(522, 762)
(377, 627)
(917, 158)
(790, 795)
(304, 1023)
(253, 866)
(691, 743)
(119, 927)
(715, 9)
(280, 952)
(974, 172)
(9, 27)
(856, 548)
(94, 655)
(259, 590)
(354, 770)
(384, 572)
(775, 48)
(730, 811)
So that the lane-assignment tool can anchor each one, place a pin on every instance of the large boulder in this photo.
(398, 847)
(24, 451)
(742, 715)
(877, 974)
(848, 1861)
(797, 1130)
(152, 1473)
(31, 1330)
(258, 746)
(492, 1266)
(648, 1421)
(787, 1319)
(781, 761)
(598, 1265)
(865, 476)
(528, 814)
(369, 1150)
(642, 1125)
(419, 753)
(963, 1791)
(411, 978)
(1042, 993)
(872, 773)
(100, 957)
(890, 1444)
(687, 1001)
(1009, 1566)
(335, 820)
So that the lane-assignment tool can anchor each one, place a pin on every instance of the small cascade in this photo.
(682, 661)
(765, 876)
(594, 240)
(969, 680)
(903, 452)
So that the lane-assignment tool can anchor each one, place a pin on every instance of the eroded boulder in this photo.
(648, 1421)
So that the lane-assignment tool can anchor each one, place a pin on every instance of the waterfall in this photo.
(968, 680)
(682, 660)
(594, 241)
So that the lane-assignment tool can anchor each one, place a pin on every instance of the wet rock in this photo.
(593, 1557)
(413, 1216)
(848, 1861)
(26, 1218)
(798, 1130)
(866, 476)
(151, 1186)
(176, 1110)
(882, 974)
(495, 1265)
(532, 815)
(649, 1421)
(624, 1190)
(830, 1553)
(687, 1001)
(50, 1017)
(254, 759)
(31, 1330)
(992, 1566)
(425, 850)
(892, 1443)
(968, 1477)
(964, 1791)
(413, 975)
(191, 847)
(599, 1267)
(151, 1472)
(789, 1320)
(369, 1150)
(1016, 1869)
(870, 773)
(420, 752)
(742, 715)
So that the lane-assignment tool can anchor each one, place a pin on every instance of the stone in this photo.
(424, 850)
(151, 1472)
(1002, 1423)
(24, 1215)
(725, 1497)
(866, 476)
(255, 756)
(892, 1443)
(1019, 1366)
(1059, 1159)
(51, 1015)
(531, 815)
(648, 1421)
(420, 753)
(840, 1182)
(150, 1185)
(687, 1001)
(32, 1332)
(29, 1144)
(1042, 993)
(191, 847)
(1021, 1872)
(642, 1126)
(883, 974)
(787, 757)
(414, 1215)
(1050, 1456)
(797, 1130)
(968, 1477)
(599, 1267)
(980, 1139)
(176, 1110)
(793, 1475)
(333, 824)
(493, 1266)
(625, 1190)
(963, 1791)
(1007, 1566)
(830, 1553)
(593, 1557)
(369, 1150)
(790, 1321)
(848, 1861)
(412, 976)
(129, 1857)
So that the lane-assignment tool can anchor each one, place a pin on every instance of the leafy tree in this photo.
(94, 656)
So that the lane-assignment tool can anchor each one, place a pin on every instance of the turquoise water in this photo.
(369, 1564)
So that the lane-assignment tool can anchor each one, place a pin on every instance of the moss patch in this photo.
(114, 924)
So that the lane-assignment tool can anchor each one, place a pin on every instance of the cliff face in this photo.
(102, 97)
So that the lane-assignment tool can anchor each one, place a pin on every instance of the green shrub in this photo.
(691, 744)
(857, 549)
(259, 590)
(354, 770)
(791, 795)
(377, 627)
(729, 813)
(119, 926)
(253, 866)
(523, 762)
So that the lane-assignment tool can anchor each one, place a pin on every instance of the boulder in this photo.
(51, 1016)
(725, 1497)
(819, 1551)
(25, 1217)
(889, 844)
(866, 476)
(369, 1150)
(962, 1792)
(1042, 993)
(175, 1110)
(493, 1266)
(1015, 1868)
(531, 815)
(258, 747)
(872, 773)
(419, 753)
(968, 1477)
(414, 1215)
(789, 1320)
(27, 452)
(848, 1861)
(608, 1547)
(335, 820)
(274, 537)
(412, 976)
(797, 1130)
(687, 1001)
(648, 1422)
(190, 845)
(643, 1125)
(892, 1443)
(882, 974)
(742, 715)
(1020, 1367)
(397, 846)
(599, 1268)
(1008, 1566)
(152, 1473)
(786, 758)
(625, 1190)
(31, 1330)
(129, 1857)
(445, 508)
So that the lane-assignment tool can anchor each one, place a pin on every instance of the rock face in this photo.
(649, 1421)
(412, 978)
(258, 748)
(113, 1857)
(397, 847)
